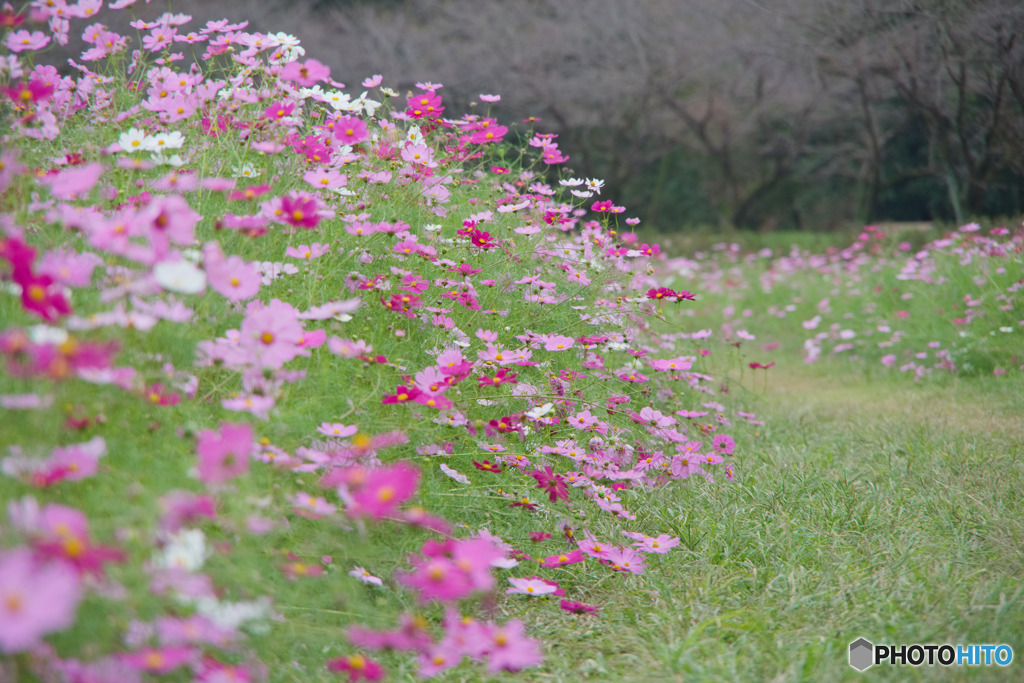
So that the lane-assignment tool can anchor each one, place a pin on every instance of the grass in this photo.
(848, 521)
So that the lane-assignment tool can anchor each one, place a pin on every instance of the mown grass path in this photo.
(866, 508)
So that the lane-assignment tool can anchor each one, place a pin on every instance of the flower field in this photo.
(312, 382)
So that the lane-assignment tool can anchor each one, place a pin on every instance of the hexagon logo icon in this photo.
(861, 654)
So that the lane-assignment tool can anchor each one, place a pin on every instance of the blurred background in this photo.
(753, 115)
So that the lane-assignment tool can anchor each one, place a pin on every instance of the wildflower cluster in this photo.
(274, 321)
(950, 306)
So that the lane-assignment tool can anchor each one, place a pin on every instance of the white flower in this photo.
(365, 576)
(336, 99)
(186, 550)
(173, 160)
(432, 227)
(134, 140)
(540, 412)
(571, 182)
(179, 276)
(44, 334)
(454, 474)
(283, 39)
(246, 170)
(231, 615)
(594, 184)
(162, 141)
(583, 194)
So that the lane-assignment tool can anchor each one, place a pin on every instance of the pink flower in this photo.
(723, 443)
(305, 251)
(583, 419)
(73, 182)
(305, 74)
(180, 507)
(625, 560)
(529, 587)
(20, 41)
(233, 278)
(159, 660)
(647, 544)
(337, 429)
(346, 348)
(350, 130)
(437, 578)
(311, 507)
(510, 648)
(271, 334)
(557, 342)
(571, 557)
(633, 377)
(384, 489)
(35, 599)
(224, 455)
(594, 548)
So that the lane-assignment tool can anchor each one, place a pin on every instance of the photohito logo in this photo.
(864, 654)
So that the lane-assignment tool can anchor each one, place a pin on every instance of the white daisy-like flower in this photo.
(365, 576)
(180, 276)
(185, 549)
(246, 170)
(162, 141)
(540, 411)
(134, 140)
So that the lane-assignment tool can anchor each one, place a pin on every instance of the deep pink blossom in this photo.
(358, 667)
(552, 483)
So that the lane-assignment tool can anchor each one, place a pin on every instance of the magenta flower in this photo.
(224, 455)
(723, 443)
(553, 483)
(300, 210)
(35, 599)
(633, 377)
(350, 130)
(436, 578)
(578, 607)
(358, 667)
(571, 557)
(278, 110)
